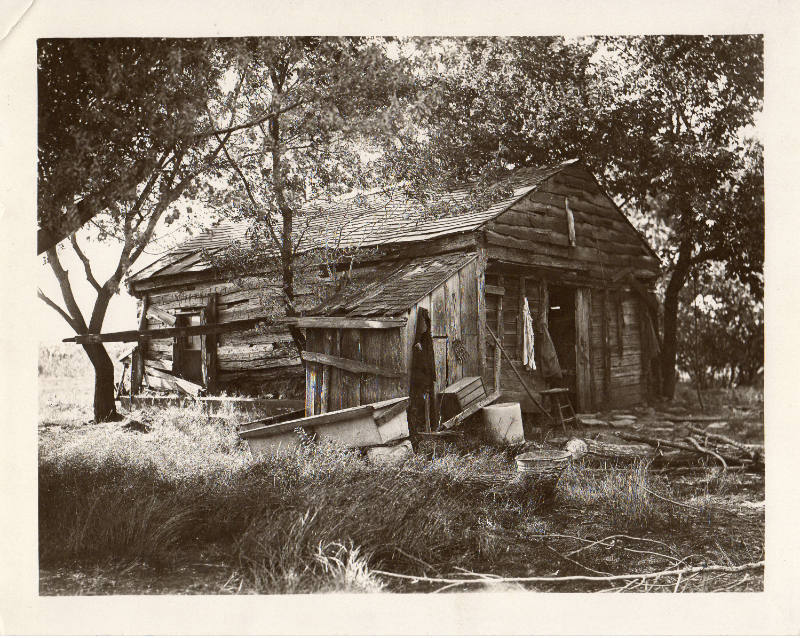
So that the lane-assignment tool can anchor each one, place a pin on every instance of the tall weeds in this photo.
(317, 518)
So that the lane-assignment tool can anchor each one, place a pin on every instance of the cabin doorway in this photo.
(561, 325)
(187, 350)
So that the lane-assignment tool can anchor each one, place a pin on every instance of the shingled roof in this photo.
(375, 219)
(393, 287)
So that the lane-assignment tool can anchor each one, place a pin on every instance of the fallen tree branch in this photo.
(669, 500)
(603, 541)
(573, 561)
(750, 449)
(700, 448)
(563, 579)
(655, 442)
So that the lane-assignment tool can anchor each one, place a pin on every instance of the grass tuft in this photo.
(623, 493)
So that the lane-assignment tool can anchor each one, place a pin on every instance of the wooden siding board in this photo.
(438, 312)
(372, 346)
(480, 281)
(452, 289)
(351, 382)
(440, 362)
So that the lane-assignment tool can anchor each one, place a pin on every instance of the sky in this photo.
(104, 256)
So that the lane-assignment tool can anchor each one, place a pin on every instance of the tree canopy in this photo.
(663, 121)
(113, 113)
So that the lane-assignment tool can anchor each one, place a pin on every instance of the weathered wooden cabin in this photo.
(558, 242)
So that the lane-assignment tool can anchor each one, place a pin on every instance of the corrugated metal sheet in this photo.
(379, 218)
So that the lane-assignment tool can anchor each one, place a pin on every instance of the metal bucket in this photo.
(540, 471)
(543, 461)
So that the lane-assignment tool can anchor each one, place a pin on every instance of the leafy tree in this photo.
(324, 106)
(722, 336)
(124, 130)
(659, 119)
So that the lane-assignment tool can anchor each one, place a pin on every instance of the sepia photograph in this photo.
(459, 316)
(401, 314)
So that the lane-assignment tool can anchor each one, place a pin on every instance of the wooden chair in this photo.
(561, 408)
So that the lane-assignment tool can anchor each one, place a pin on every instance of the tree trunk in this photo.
(287, 215)
(669, 351)
(104, 405)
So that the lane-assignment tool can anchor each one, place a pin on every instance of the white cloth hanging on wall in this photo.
(528, 358)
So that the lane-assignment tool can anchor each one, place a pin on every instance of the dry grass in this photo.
(322, 518)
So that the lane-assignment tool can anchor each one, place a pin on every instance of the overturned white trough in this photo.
(361, 426)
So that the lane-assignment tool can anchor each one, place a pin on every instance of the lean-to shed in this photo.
(557, 245)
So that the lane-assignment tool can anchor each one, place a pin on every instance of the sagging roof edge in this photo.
(449, 273)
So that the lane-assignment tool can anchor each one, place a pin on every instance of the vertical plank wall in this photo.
(453, 308)
(329, 388)
(515, 287)
(608, 343)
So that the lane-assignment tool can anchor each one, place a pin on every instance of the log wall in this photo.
(245, 360)
(536, 231)
(569, 232)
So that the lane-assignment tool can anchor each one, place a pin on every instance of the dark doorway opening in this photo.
(187, 351)
(561, 324)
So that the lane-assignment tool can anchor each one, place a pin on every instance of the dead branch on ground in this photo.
(482, 580)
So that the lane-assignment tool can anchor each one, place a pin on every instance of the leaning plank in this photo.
(162, 315)
(459, 418)
(181, 384)
(351, 365)
(518, 375)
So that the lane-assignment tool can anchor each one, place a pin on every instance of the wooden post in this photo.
(582, 357)
(500, 331)
(138, 355)
(606, 349)
(208, 346)
(481, 309)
